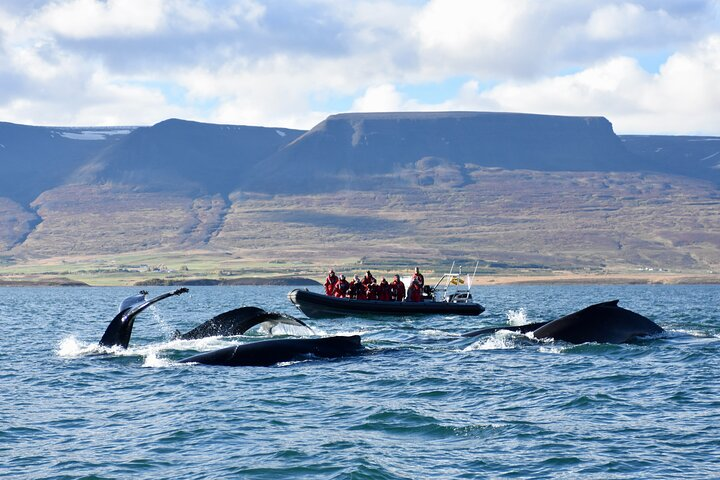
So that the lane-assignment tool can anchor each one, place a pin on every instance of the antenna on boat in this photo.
(451, 267)
(474, 272)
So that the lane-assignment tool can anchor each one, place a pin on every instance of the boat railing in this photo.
(453, 288)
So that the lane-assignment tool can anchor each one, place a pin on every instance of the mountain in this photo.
(514, 191)
(340, 151)
(688, 156)
(34, 159)
(179, 155)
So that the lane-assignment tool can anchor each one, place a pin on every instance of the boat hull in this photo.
(316, 305)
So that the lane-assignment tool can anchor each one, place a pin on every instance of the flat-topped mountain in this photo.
(345, 146)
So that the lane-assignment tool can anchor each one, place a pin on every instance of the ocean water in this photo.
(422, 402)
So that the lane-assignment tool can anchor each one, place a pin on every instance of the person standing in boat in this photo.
(397, 290)
(330, 282)
(415, 292)
(341, 287)
(368, 279)
(418, 277)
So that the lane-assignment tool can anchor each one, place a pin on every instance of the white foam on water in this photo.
(323, 333)
(553, 349)
(438, 333)
(679, 332)
(501, 340)
(153, 361)
(71, 347)
(517, 317)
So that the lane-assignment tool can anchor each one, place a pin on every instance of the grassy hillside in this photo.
(536, 223)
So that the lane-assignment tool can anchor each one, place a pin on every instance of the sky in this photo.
(649, 66)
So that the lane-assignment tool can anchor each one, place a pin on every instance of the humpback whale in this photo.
(237, 322)
(233, 322)
(269, 352)
(602, 323)
(120, 328)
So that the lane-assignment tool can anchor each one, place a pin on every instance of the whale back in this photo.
(602, 323)
(270, 352)
(237, 322)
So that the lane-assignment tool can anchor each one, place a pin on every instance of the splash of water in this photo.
(517, 317)
(502, 340)
(153, 361)
(165, 327)
(71, 347)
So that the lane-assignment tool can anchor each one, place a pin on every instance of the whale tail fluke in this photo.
(120, 329)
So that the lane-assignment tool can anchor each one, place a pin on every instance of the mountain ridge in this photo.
(517, 190)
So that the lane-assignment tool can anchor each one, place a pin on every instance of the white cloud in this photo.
(92, 18)
(288, 63)
(524, 38)
(683, 97)
(380, 98)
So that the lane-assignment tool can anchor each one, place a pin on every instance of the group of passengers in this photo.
(368, 288)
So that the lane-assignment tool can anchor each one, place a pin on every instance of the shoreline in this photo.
(484, 280)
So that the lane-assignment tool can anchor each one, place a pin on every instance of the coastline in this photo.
(480, 280)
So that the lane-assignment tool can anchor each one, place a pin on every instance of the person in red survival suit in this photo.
(330, 282)
(368, 279)
(383, 290)
(357, 289)
(361, 289)
(341, 287)
(415, 292)
(397, 290)
(418, 277)
(372, 291)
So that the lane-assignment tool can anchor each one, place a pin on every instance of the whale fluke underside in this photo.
(601, 323)
(120, 329)
(237, 322)
(269, 352)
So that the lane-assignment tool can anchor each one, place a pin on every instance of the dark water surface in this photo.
(423, 403)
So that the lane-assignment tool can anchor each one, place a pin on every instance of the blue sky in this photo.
(648, 66)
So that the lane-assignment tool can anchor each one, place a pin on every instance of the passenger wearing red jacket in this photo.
(372, 291)
(397, 290)
(330, 283)
(418, 277)
(415, 292)
(341, 287)
(368, 279)
(383, 290)
(357, 289)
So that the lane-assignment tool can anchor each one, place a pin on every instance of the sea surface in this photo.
(422, 402)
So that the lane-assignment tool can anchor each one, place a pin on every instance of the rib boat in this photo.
(450, 296)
